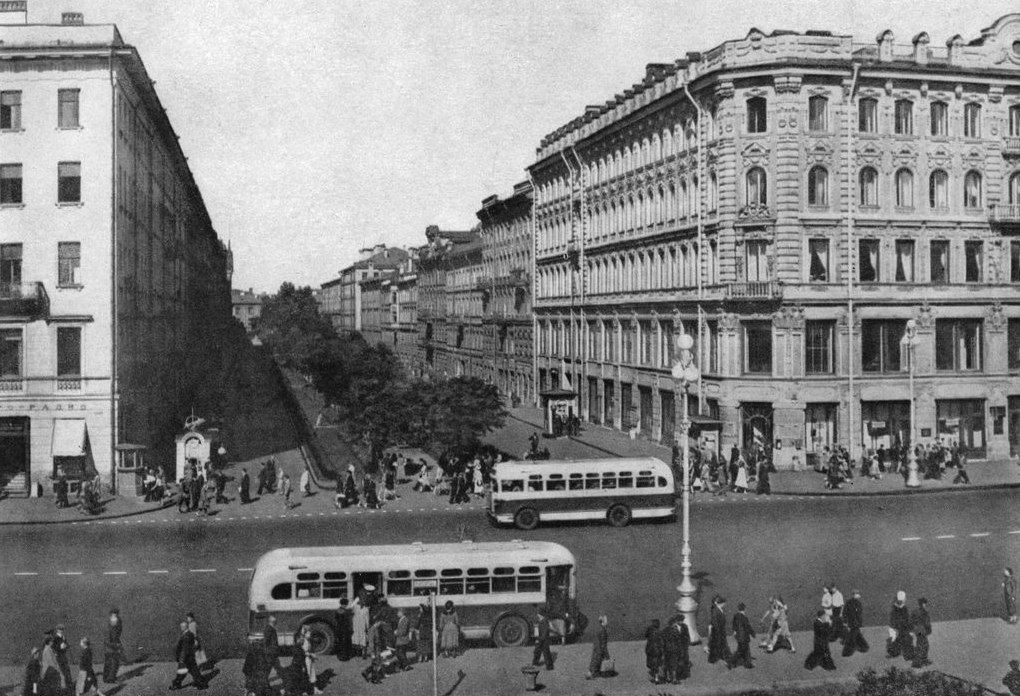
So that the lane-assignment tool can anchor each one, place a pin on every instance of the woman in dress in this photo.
(449, 631)
(740, 484)
(423, 633)
(478, 480)
(306, 648)
(779, 635)
(359, 622)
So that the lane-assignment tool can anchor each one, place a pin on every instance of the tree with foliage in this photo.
(451, 416)
(292, 326)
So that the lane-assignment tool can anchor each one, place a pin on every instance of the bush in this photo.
(904, 682)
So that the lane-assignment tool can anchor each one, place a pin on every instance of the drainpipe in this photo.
(573, 332)
(701, 242)
(850, 257)
(536, 400)
(114, 382)
(582, 406)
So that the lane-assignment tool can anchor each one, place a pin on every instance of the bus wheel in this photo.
(619, 515)
(526, 519)
(510, 632)
(322, 639)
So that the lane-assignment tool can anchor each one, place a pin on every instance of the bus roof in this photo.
(406, 554)
(540, 466)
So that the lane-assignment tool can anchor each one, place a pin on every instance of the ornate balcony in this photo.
(1011, 145)
(1005, 215)
(24, 300)
(755, 291)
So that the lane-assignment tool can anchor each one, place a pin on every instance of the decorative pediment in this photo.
(869, 154)
(939, 158)
(996, 318)
(820, 152)
(789, 318)
(787, 84)
(973, 158)
(755, 154)
(906, 156)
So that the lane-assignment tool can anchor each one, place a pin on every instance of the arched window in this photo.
(904, 188)
(640, 220)
(670, 203)
(626, 161)
(683, 266)
(713, 192)
(1014, 121)
(938, 189)
(757, 121)
(661, 206)
(695, 192)
(972, 190)
(656, 149)
(682, 200)
(869, 187)
(756, 191)
(646, 153)
(818, 186)
(1014, 189)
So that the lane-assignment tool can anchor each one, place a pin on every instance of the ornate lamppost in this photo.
(909, 342)
(685, 372)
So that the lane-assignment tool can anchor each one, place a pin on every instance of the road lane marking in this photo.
(202, 570)
(26, 574)
(946, 536)
(1015, 531)
(911, 539)
(245, 570)
(115, 572)
(158, 572)
(981, 534)
(76, 572)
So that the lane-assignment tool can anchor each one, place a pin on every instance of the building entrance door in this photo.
(755, 425)
(14, 455)
(593, 400)
(819, 430)
(608, 399)
(1014, 426)
(646, 410)
(668, 411)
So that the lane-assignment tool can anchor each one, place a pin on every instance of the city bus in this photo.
(495, 586)
(616, 490)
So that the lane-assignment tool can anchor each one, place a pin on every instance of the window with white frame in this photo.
(818, 261)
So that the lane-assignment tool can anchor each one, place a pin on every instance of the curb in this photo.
(97, 518)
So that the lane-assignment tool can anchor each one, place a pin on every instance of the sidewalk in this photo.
(597, 442)
(977, 650)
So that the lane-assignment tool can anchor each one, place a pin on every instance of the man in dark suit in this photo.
(184, 654)
(744, 632)
(718, 647)
(244, 489)
(922, 629)
(272, 641)
(542, 651)
(853, 619)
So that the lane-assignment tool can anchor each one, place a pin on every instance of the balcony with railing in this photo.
(752, 291)
(24, 300)
(1011, 145)
(1005, 215)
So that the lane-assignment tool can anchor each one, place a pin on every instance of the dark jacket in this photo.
(899, 618)
(85, 660)
(543, 630)
(853, 613)
(185, 650)
(921, 621)
(33, 675)
(272, 641)
(742, 628)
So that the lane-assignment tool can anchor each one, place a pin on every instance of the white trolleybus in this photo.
(495, 586)
(617, 490)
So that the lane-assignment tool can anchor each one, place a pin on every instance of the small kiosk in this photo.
(559, 407)
(196, 445)
(130, 469)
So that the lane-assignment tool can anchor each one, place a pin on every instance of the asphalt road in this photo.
(948, 547)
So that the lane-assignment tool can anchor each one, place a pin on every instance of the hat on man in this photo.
(901, 596)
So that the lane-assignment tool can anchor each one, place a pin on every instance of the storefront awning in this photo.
(68, 437)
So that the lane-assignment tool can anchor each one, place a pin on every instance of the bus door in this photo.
(364, 580)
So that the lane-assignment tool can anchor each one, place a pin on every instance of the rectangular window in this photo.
(974, 254)
(647, 336)
(710, 348)
(904, 112)
(939, 119)
(757, 121)
(818, 114)
(939, 261)
(67, 115)
(868, 261)
(758, 347)
(867, 115)
(593, 341)
(610, 341)
(958, 344)
(666, 344)
(904, 261)
(757, 269)
(68, 351)
(627, 336)
(10, 184)
(1013, 344)
(1014, 261)
(68, 264)
(69, 182)
(10, 266)
(880, 345)
(818, 347)
(10, 110)
(10, 353)
(818, 262)
(972, 121)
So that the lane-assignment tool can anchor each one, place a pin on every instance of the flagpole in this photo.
(435, 648)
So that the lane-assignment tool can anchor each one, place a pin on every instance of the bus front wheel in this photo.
(619, 515)
(322, 638)
(526, 519)
(510, 632)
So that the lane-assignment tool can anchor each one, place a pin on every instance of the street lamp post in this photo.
(686, 372)
(909, 342)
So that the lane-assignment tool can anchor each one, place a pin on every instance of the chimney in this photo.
(13, 12)
(75, 19)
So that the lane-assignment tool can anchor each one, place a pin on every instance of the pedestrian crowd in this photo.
(746, 470)
(87, 496)
(48, 672)
(933, 461)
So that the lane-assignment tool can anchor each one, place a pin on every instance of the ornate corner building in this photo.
(813, 211)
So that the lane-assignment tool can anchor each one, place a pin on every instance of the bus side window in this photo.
(281, 591)
(425, 582)
(591, 480)
(503, 580)
(645, 479)
(451, 581)
(478, 581)
(334, 586)
(535, 482)
(576, 482)
(662, 482)
(529, 579)
(608, 479)
(556, 483)
(308, 586)
(626, 479)
(398, 582)
(511, 486)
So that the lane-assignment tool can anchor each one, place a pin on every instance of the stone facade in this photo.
(791, 201)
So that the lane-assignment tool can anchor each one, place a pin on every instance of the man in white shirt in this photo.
(838, 627)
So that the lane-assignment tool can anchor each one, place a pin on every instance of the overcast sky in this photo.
(317, 127)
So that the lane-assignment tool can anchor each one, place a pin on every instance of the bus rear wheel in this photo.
(510, 632)
(322, 638)
(619, 515)
(526, 519)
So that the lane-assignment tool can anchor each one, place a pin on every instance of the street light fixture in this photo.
(685, 372)
(909, 342)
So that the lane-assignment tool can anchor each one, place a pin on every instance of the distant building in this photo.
(247, 307)
(114, 287)
(344, 293)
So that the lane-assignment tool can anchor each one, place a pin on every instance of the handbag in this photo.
(608, 666)
(200, 657)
